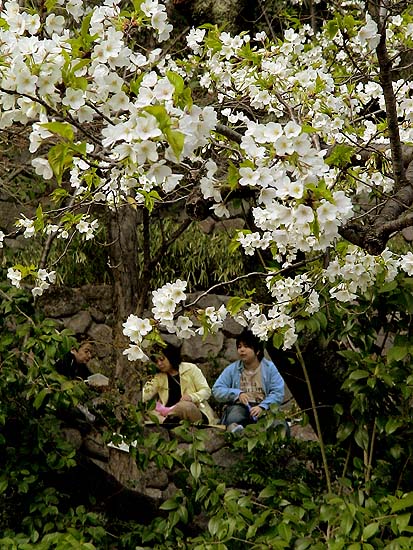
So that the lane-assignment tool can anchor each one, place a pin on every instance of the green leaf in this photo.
(402, 522)
(159, 112)
(235, 304)
(347, 522)
(37, 403)
(63, 129)
(3, 485)
(370, 530)
(59, 195)
(195, 470)
(170, 504)
(60, 158)
(176, 140)
(285, 532)
(232, 176)
(392, 425)
(277, 340)
(344, 430)
(359, 374)
(340, 156)
(332, 28)
(50, 4)
(405, 502)
(177, 81)
(267, 492)
(362, 438)
(39, 223)
(397, 353)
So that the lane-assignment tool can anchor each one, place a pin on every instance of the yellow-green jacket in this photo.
(193, 383)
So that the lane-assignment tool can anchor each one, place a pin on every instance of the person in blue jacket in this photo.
(250, 385)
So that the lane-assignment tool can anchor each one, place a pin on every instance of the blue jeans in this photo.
(240, 414)
(237, 413)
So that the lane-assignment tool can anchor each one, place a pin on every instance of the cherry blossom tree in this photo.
(310, 132)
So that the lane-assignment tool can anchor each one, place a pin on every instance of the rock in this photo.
(231, 328)
(407, 233)
(79, 323)
(97, 315)
(226, 458)
(214, 440)
(95, 447)
(197, 348)
(102, 339)
(60, 302)
(230, 350)
(73, 436)
(155, 478)
(100, 296)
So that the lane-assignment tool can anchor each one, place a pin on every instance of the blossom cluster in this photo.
(130, 128)
(42, 279)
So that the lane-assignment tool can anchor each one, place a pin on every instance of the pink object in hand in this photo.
(161, 409)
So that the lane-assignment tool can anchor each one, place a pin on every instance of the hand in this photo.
(242, 398)
(186, 397)
(255, 412)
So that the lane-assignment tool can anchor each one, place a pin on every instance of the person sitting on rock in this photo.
(249, 386)
(180, 388)
(73, 366)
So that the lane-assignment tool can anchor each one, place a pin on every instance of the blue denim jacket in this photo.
(226, 388)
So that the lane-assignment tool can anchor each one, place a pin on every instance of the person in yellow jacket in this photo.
(180, 388)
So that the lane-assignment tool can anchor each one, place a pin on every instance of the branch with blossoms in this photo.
(142, 133)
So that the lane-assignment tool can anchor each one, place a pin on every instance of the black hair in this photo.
(251, 341)
(171, 352)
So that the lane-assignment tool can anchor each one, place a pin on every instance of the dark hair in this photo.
(171, 352)
(251, 341)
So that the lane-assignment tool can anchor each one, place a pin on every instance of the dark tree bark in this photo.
(123, 260)
(326, 372)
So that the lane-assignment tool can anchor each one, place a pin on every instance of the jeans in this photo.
(236, 413)
(240, 414)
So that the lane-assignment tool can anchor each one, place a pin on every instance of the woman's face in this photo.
(163, 364)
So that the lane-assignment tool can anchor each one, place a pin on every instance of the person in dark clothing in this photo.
(73, 365)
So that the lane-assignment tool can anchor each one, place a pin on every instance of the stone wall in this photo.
(88, 311)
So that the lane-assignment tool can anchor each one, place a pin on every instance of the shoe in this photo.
(234, 428)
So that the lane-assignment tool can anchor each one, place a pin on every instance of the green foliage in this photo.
(32, 448)
(201, 259)
(272, 497)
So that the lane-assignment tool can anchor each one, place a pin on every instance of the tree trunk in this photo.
(326, 372)
(123, 257)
